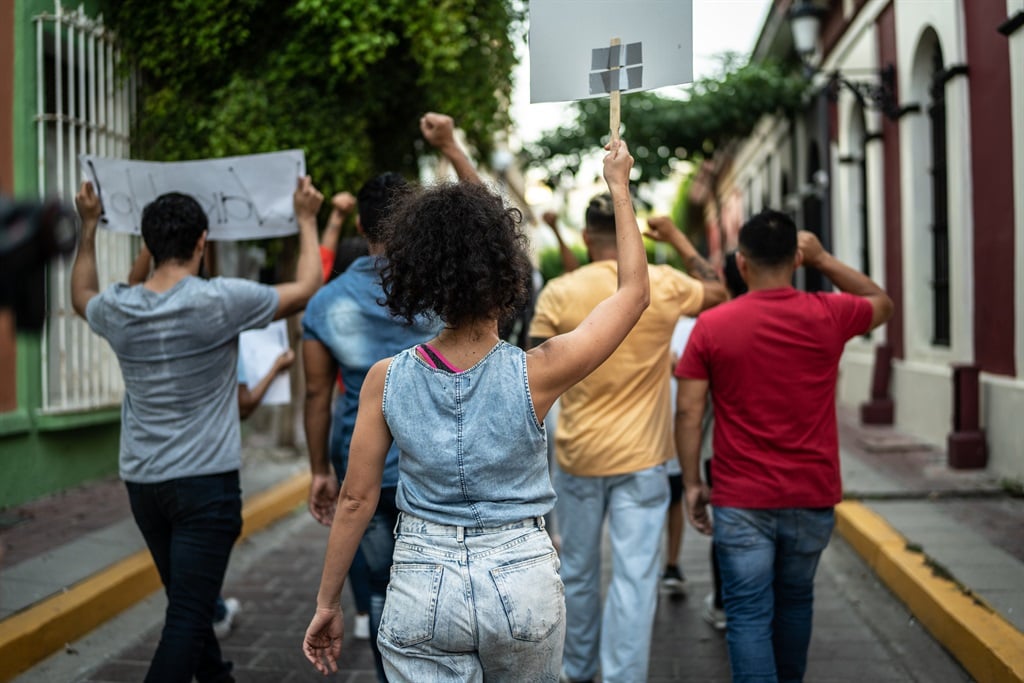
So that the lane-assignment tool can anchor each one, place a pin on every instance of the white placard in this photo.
(569, 41)
(245, 197)
(258, 350)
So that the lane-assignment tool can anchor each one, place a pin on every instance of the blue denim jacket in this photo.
(472, 452)
(347, 316)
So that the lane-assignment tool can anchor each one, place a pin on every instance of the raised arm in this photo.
(569, 260)
(85, 282)
(662, 229)
(292, 296)
(342, 206)
(356, 504)
(844, 277)
(320, 371)
(561, 361)
(439, 131)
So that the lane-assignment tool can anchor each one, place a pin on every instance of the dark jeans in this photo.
(378, 547)
(190, 526)
(768, 560)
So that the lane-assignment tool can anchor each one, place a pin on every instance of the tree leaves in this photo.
(346, 80)
(660, 129)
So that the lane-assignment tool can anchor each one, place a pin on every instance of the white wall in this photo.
(1017, 103)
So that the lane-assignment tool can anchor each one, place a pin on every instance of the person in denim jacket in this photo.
(475, 592)
(346, 328)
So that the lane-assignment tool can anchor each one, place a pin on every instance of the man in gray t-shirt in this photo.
(176, 339)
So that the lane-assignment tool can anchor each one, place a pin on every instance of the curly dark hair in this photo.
(456, 251)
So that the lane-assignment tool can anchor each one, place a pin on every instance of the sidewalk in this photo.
(949, 544)
(76, 559)
(915, 522)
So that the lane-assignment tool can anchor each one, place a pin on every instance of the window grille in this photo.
(84, 101)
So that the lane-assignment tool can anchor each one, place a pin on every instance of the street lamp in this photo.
(805, 24)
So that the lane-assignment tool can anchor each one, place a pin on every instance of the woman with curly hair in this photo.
(475, 593)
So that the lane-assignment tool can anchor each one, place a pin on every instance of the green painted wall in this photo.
(41, 454)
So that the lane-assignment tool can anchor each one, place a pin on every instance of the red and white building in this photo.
(909, 162)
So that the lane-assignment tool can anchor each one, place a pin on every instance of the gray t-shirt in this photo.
(178, 352)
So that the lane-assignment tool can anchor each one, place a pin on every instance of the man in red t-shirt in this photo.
(770, 360)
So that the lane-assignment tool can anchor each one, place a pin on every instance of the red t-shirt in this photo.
(771, 358)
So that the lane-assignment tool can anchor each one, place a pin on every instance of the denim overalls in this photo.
(474, 591)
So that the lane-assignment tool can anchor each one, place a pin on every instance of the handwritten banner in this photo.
(245, 197)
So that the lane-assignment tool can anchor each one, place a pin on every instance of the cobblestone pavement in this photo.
(861, 631)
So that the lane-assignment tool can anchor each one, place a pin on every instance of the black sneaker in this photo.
(673, 581)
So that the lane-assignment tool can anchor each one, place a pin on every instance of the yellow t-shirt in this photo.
(618, 419)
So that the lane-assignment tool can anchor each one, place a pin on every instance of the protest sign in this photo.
(572, 56)
(245, 197)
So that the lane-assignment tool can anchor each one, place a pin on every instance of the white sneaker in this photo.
(222, 627)
(712, 614)
(361, 630)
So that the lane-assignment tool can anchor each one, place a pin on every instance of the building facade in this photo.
(62, 93)
(908, 161)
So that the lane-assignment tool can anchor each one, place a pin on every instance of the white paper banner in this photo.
(258, 350)
(245, 197)
(570, 39)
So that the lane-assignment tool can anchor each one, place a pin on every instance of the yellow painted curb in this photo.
(984, 643)
(34, 634)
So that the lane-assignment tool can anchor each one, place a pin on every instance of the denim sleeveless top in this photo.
(471, 450)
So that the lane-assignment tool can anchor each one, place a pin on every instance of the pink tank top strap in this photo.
(435, 359)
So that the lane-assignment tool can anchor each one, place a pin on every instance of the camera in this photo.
(32, 233)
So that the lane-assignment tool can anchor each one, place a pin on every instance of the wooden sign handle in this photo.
(615, 107)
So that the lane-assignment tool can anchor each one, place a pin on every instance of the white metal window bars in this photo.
(83, 105)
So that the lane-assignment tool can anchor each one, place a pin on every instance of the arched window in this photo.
(813, 214)
(860, 238)
(940, 201)
(928, 265)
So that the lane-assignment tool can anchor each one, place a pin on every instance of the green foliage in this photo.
(660, 129)
(345, 80)
(550, 261)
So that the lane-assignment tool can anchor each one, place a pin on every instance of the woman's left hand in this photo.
(322, 644)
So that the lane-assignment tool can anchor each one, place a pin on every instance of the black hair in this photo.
(454, 250)
(600, 215)
(172, 225)
(348, 250)
(733, 280)
(374, 199)
(769, 239)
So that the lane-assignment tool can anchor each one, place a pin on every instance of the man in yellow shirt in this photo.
(614, 435)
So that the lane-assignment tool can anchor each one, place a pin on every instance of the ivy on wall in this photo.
(345, 80)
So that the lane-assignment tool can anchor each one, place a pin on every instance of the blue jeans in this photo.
(620, 638)
(768, 559)
(377, 548)
(190, 525)
(468, 604)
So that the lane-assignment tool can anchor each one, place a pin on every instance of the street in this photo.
(861, 631)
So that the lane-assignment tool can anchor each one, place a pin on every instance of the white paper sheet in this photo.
(258, 349)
